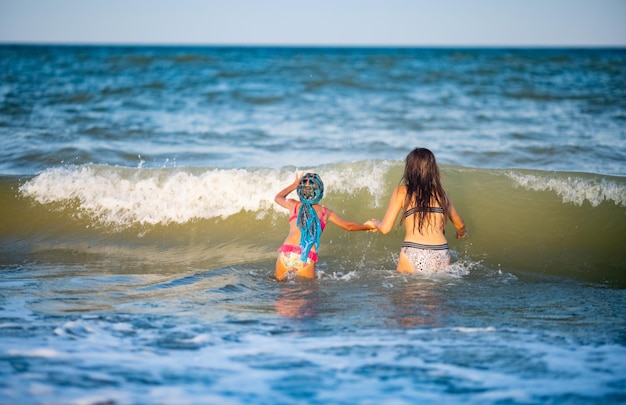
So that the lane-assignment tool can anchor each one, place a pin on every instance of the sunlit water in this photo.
(138, 232)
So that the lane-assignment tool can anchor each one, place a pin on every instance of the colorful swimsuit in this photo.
(426, 257)
(290, 254)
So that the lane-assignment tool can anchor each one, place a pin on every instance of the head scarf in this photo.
(310, 190)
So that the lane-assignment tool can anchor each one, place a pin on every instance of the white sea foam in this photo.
(474, 330)
(42, 352)
(125, 196)
(573, 189)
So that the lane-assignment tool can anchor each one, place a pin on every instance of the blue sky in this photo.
(317, 22)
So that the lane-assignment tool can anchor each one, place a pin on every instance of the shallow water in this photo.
(234, 335)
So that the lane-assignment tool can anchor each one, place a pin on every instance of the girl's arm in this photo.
(458, 222)
(349, 225)
(281, 198)
(395, 205)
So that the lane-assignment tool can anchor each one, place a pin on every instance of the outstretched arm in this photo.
(349, 225)
(395, 205)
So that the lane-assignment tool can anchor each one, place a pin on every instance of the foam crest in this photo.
(574, 189)
(349, 178)
(127, 196)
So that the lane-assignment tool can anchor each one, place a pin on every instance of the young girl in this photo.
(307, 220)
(426, 207)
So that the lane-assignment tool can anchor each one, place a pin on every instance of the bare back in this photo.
(432, 231)
(293, 237)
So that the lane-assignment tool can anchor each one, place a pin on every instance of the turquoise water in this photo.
(553, 109)
(138, 232)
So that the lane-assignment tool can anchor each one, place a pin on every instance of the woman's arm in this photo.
(458, 222)
(395, 205)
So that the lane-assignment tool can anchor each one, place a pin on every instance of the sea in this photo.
(139, 233)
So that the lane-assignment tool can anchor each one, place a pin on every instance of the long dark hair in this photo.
(423, 186)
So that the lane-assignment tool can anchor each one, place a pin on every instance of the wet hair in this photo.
(423, 186)
(310, 189)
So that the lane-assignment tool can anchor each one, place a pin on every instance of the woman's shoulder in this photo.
(400, 191)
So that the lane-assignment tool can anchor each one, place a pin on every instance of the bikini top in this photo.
(294, 215)
(436, 210)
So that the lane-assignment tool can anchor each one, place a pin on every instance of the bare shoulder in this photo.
(289, 203)
(324, 212)
(400, 192)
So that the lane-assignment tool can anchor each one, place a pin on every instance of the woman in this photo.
(426, 208)
(298, 254)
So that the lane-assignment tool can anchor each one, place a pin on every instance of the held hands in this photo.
(373, 224)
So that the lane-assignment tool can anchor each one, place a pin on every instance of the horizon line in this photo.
(307, 45)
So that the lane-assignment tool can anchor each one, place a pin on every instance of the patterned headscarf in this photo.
(310, 190)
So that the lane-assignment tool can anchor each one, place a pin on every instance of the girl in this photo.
(426, 207)
(298, 254)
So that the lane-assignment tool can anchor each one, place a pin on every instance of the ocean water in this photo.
(138, 232)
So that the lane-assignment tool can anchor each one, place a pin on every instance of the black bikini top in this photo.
(436, 210)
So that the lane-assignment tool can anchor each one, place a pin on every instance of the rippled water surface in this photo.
(138, 232)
